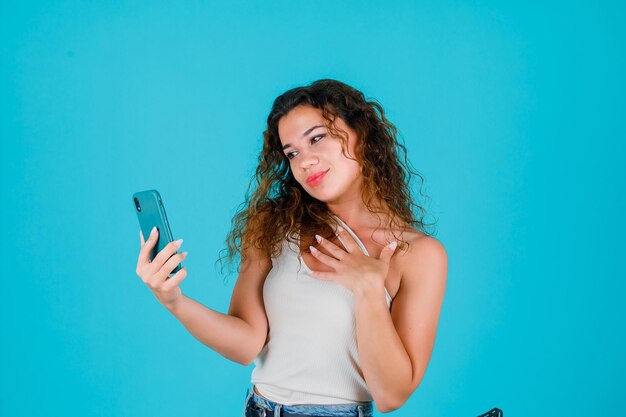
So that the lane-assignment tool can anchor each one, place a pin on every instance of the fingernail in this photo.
(153, 230)
(339, 229)
(393, 244)
(178, 242)
(184, 253)
(319, 238)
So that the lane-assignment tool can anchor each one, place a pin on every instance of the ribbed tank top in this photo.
(311, 355)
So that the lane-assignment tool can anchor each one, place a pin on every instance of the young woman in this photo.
(340, 286)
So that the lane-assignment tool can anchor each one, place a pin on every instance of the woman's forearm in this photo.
(227, 335)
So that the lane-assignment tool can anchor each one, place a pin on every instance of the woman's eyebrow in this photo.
(306, 132)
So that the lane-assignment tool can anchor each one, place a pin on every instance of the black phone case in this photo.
(151, 212)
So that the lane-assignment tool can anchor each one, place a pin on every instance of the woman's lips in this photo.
(317, 179)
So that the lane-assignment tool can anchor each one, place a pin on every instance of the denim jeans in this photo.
(257, 406)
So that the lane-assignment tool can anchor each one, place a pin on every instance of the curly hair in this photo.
(278, 207)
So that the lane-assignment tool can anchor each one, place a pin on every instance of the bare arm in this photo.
(395, 346)
(229, 336)
(239, 335)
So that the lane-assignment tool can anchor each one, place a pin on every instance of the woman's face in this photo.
(311, 150)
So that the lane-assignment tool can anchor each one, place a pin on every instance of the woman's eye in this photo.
(290, 154)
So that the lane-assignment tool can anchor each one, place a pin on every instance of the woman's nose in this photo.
(309, 159)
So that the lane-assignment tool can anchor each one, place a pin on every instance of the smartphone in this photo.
(150, 213)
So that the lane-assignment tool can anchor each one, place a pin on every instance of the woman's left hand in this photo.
(353, 269)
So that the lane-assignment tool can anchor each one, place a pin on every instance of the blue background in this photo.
(514, 113)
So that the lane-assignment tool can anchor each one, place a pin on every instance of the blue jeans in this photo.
(257, 406)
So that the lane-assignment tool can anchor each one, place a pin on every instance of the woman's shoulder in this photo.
(419, 239)
(420, 249)
(409, 257)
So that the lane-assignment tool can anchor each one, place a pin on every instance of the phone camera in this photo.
(137, 205)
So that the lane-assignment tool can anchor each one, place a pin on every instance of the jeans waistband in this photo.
(262, 407)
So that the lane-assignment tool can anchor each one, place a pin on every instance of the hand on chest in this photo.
(316, 265)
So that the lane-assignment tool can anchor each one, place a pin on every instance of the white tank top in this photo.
(311, 355)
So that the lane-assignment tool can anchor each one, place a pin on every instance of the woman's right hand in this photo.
(155, 274)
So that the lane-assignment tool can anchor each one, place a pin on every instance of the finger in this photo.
(141, 237)
(333, 249)
(144, 254)
(347, 240)
(169, 266)
(326, 276)
(328, 260)
(175, 279)
(167, 252)
(388, 251)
